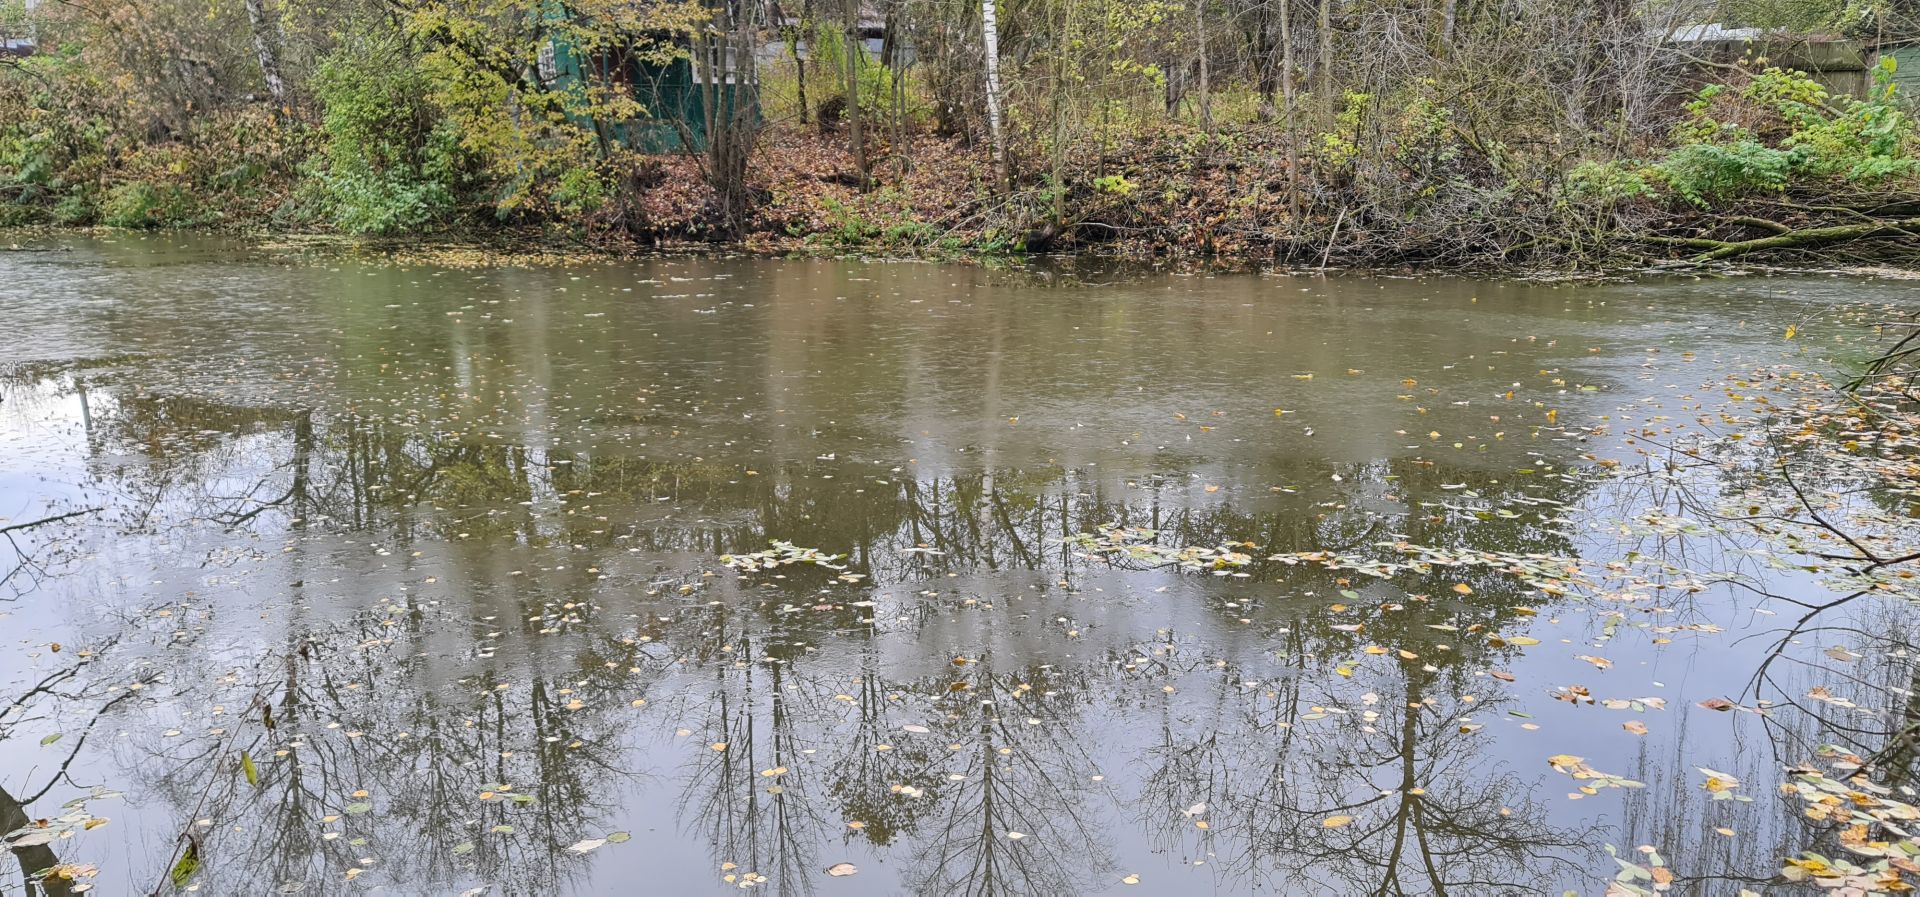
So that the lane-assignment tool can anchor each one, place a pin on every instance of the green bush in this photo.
(828, 78)
(370, 202)
(579, 192)
(16, 214)
(1724, 149)
(391, 160)
(1704, 173)
(76, 209)
(139, 204)
(1870, 139)
(883, 221)
(1608, 182)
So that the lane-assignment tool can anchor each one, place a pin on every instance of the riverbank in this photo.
(1768, 171)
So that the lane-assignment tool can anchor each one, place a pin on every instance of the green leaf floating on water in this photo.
(247, 769)
(189, 863)
(357, 809)
(50, 739)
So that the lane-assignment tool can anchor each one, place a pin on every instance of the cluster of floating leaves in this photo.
(1875, 824)
(1592, 779)
(783, 554)
(1139, 546)
(74, 819)
(73, 878)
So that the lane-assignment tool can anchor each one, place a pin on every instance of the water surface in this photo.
(410, 580)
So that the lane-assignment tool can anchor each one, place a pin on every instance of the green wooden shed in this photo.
(674, 95)
(1906, 72)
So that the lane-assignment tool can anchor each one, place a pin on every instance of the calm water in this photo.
(408, 580)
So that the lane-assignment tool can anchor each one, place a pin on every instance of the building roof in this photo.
(1711, 32)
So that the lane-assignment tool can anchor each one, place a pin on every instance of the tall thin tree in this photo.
(996, 116)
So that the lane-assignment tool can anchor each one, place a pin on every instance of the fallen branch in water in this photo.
(1784, 237)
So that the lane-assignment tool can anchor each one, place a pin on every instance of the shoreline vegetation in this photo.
(1541, 136)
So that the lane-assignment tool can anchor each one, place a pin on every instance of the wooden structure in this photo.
(675, 95)
(1841, 65)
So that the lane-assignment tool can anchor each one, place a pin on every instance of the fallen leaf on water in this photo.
(1335, 821)
(841, 870)
(1130, 880)
(1635, 726)
(588, 846)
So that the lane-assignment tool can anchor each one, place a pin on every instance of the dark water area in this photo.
(411, 580)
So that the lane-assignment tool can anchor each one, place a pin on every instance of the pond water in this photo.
(402, 579)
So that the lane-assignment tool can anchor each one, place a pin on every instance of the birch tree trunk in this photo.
(996, 125)
(266, 47)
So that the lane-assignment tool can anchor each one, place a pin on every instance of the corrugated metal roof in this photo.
(1713, 31)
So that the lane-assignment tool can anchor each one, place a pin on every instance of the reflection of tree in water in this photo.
(1022, 767)
(748, 791)
(75, 690)
(1002, 754)
(357, 707)
(1274, 753)
(750, 682)
(1430, 813)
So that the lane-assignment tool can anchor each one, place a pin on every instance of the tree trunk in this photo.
(1287, 93)
(1715, 250)
(1268, 82)
(1323, 65)
(892, 56)
(799, 63)
(732, 123)
(266, 48)
(1200, 36)
(856, 136)
(1058, 177)
(996, 125)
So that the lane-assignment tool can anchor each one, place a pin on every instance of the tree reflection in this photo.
(1377, 780)
(517, 598)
